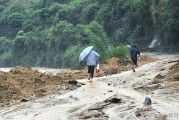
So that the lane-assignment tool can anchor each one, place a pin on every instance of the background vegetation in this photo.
(52, 33)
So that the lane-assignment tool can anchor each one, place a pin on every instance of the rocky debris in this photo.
(147, 101)
(173, 74)
(110, 91)
(157, 81)
(142, 88)
(114, 99)
(74, 82)
(148, 87)
(149, 113)
(95, 112)
(72, 98)
(24, 100)
(160, 76)
(174, 61)
(137, 114)
(109, 83)
(90, 114)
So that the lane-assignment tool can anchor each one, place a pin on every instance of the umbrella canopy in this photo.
(84, 53)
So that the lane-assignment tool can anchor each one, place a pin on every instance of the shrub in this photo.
(70, 57)
(16, 20)
(120, 52)
(6, 59)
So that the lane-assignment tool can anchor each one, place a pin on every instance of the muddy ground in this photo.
(51, 93)
(22, 83)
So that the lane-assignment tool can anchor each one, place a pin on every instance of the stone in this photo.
(147, 101)
(115, 100)
(73, 82)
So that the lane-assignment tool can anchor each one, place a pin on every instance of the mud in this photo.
(92, 101)
(22, 83)
(28, 83)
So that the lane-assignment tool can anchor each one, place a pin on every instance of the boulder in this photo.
(147, 101)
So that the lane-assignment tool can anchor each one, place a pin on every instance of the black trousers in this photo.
(134, 62)
(91, 70)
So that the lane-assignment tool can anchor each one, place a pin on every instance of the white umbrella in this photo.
(84, 53)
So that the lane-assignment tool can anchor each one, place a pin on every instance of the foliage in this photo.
(120, 51)
(47, 32)
(98, 39)
(1, 8)
(5, 45)
(4, 2)
(166, 20)
(70, 57)
(6, 59)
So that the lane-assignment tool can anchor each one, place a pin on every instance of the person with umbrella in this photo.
(92, 57)
(91, 63)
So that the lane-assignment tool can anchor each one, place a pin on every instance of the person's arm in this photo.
(97, 56)
(138, 53)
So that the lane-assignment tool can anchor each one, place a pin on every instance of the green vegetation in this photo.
(121, 51)
(52, 33)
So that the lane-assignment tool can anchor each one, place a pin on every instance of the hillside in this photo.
(46, 33)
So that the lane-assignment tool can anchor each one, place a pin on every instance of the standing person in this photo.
(134, 52)
(91, 63)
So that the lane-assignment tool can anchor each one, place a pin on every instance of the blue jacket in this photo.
(92, 58)
(134, 52)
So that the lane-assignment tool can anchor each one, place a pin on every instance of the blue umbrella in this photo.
(84, 53)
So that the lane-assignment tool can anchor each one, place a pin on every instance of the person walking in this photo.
(92, 59)
(134, 52)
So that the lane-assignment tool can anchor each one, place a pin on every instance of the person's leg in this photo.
(89, 72)
(92, 71)
(134, 65)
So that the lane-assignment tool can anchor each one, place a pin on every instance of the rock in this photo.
(123, 81)
(81, 83)
(73, 82)
(24, 100)
(137, 114)
(78, 85)
(90, 114)
(147, 101)
(160, 76)
(109, 83)
(110, 91)
(1, 105)
(115, 100)
(132, 102)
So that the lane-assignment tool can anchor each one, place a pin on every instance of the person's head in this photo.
(135, 45)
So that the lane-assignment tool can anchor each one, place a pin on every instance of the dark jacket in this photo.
(134, 52)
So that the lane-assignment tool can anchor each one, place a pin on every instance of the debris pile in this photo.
(25, 83)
